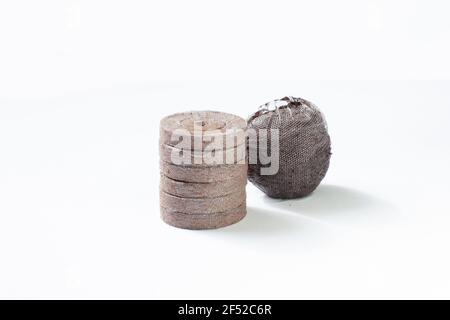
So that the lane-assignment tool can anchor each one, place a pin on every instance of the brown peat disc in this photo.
(202, 205)
(203, 221)
(203, 174)
(203, 130)
(201, 190)
(218, 157)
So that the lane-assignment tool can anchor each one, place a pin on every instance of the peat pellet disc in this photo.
(202, 205)
(203, 221)
(201, 190)
(218, 157)
(203, 174)
(203, 130)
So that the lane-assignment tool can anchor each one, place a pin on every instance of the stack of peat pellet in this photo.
(203, 169)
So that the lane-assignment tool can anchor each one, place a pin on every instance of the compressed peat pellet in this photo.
(203, 169)
(203, 130)
(304, 148)
(203, 174)
(218, 157)
(202, 205)
(201, 190)
(203, 221)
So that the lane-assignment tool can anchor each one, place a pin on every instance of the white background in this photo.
(83, 85)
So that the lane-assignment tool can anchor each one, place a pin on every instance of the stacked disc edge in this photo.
(203, 169)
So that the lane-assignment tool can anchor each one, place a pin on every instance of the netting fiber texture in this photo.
(304, 147)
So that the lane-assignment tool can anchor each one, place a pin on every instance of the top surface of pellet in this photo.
(200, 123)
(208, 121)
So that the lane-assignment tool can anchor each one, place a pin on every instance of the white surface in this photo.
(83, 85)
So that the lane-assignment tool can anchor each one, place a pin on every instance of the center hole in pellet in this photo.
(201, 123)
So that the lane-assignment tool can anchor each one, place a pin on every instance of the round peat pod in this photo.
(203, 174)
(203, 130)
(203, 221)
(201, 190)
(217, 157)
(304, 148)
(195, 206)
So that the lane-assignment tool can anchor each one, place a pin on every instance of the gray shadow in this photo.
(330, 202)
(267, 230)
(262, 222)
